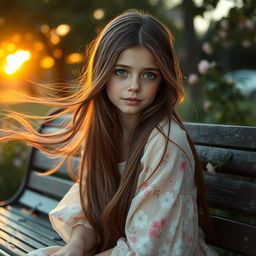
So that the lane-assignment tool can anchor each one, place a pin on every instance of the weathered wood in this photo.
(227, 136)
(231, 195)
(36, 201)
(42, 163)
(242, 162)
(234, 235)
(53, 187)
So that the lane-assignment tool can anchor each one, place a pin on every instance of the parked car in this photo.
(245, 81)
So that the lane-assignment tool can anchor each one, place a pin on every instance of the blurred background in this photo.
(44, 41)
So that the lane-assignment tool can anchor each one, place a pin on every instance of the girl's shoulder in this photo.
(171, 130)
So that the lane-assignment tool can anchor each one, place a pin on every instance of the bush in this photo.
(13, 156)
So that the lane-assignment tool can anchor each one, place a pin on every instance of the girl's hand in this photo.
(72, 248)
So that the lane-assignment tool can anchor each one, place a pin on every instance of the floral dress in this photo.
(163, 215)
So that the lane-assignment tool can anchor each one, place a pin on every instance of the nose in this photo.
(134, 84)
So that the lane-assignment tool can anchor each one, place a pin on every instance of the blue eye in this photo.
(149, 75)
(120, 72)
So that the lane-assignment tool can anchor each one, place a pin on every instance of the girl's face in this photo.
(134, 82)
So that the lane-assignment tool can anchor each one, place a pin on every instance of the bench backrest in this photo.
(231, 193)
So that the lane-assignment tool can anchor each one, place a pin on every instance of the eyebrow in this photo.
(147, 68)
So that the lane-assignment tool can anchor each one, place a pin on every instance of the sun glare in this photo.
(16, 60)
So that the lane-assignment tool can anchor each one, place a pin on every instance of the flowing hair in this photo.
(95, 128)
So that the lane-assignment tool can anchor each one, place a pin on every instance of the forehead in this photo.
(137, 57)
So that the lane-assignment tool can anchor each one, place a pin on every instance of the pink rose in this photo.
(183, 166)
(162, 222)
(210, 169)
(203, 66)
(192, 79)
(224, 24)
(189, 238)
(144, 185)
(156, 224)
(133, 239)
(147, 192)
(246, 43)
(249, 24)
(207, 48)
(153, 233)
(206, 105)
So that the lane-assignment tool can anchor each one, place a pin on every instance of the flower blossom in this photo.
(249, 24)
(224, 24)
(246, 43)
(207, 48)
(210, 169)
(192, 79)
(203, 66)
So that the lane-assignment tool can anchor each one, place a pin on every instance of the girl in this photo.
(140, 181)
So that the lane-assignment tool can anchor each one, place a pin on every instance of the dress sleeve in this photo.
(68, 214)
(162, 219)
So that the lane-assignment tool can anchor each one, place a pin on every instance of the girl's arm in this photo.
(81, 242)
(83, 237)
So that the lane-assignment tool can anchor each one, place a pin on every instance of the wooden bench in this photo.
(24, 225)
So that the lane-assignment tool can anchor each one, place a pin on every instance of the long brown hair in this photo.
(95, 127)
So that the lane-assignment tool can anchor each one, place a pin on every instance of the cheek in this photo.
(152, 92)
(113, 89)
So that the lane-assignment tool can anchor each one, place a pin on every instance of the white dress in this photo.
(163, 216)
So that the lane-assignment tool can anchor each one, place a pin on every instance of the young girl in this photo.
(140, 181)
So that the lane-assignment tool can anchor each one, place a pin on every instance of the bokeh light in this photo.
(45, 28)
(47, 62)
(38, 46)
(62, 29)
(74, 58)
(57, 53)
(10, 47)
(15, 61)
(55, 39)
(98, 14)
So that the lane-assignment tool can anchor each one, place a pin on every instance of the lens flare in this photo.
(16, 60)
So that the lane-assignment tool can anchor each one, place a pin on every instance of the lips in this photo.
(131, 101)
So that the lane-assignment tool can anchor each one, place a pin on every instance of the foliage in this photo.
(222, 47)
(13, 158)
(221, 99)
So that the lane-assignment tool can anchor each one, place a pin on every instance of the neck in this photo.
(127, 123)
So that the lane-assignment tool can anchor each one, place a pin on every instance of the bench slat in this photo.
(231, 195)
(238, 137)
(2, 253)
(234, 235)
(20, 245)
(21, 236)
(29, 223)
(54, 187)
(34, 200)
(41, 220)
(38, 237)
(43, 163)
(10, 249)
(242, 162)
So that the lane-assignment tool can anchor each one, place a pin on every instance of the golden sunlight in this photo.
(15, 61)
